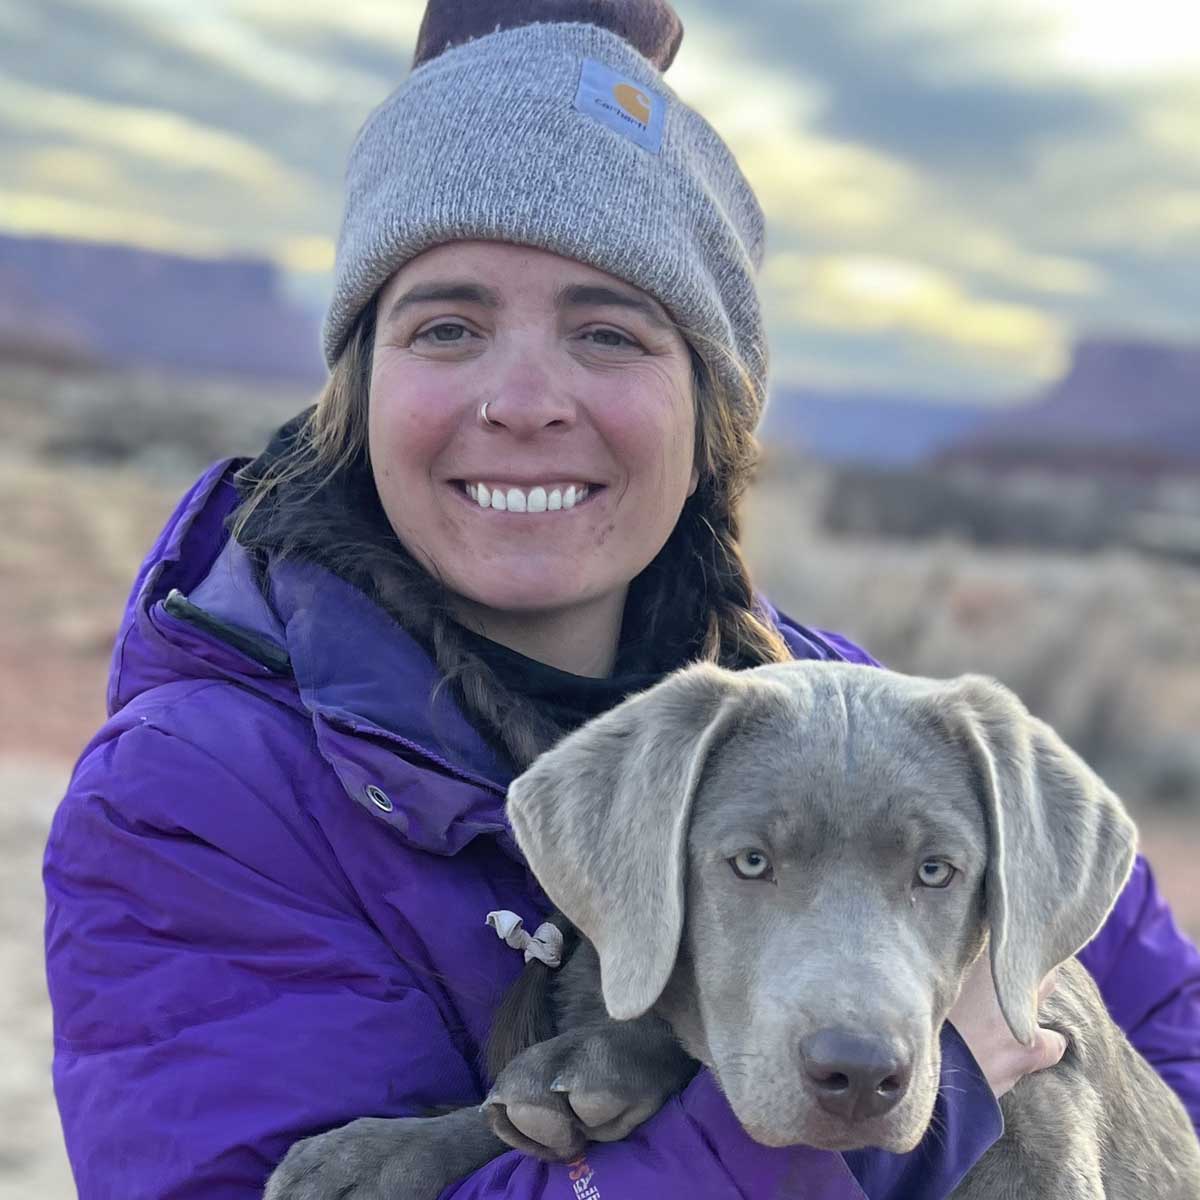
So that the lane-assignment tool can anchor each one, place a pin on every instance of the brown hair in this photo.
(316, 499)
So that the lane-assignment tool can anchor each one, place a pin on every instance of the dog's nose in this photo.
(854, 1077)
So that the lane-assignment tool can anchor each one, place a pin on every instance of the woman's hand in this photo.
(977, 1017)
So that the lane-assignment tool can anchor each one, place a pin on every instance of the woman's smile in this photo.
(529, 499)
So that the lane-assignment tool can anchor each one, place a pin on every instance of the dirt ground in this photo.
(70, 542)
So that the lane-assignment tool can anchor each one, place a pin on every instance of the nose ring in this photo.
(483, 413)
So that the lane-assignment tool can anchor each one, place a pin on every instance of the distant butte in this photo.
(124, 306)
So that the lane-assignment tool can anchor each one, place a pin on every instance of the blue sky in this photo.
(955, 189)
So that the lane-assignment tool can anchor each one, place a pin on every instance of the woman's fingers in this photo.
(1048, 986)
(977, 1017)
(1049, 1047)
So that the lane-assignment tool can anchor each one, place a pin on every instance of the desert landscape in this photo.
(1103, 643)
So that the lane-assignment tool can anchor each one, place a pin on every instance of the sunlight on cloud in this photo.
(867, 293)
(968, 246)
(1153, 218)
(49, 214)
(801, 179)
(1104, 40)
(309, 255)
(1172, 123)
(1121, 195)
(70, 168)
(717, 72)
(815, 186)
(34, 213)
(386, 22)
(1114, 37)
(154, 134)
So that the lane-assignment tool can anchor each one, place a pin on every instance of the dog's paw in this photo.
(350, 1163)
(377, 1158)
(593, 1084)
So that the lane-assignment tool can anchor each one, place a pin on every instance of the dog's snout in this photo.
(854, 1077)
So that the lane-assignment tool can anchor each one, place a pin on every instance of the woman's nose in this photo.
(526, 396)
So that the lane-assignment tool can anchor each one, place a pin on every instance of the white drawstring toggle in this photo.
(545, 943)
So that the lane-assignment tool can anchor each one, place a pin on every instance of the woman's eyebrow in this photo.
(578, 295)
(471, 293)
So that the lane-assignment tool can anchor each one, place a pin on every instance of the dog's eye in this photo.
(751, 864)
(935, 873)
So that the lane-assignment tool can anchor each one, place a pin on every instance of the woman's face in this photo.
(577, 481)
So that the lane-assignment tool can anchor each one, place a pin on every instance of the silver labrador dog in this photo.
(785, 873)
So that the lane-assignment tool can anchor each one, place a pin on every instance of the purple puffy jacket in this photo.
(245, 948)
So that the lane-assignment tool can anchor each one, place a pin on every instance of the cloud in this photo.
(391, 23)
(229, 37)
(1152, 217)
(953, 188)
(817, 190)
(307, 255)
(769, 117)
(877, 294)
(1021, 227)
(1109, 41)
(894, 80)
(48, 213)
(163, 137)
(17, 20)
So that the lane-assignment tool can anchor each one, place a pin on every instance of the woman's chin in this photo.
(528, 597)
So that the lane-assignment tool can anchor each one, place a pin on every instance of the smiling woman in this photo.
(589, 423)
(514, 503)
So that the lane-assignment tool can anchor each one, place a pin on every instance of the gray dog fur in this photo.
(846, 779)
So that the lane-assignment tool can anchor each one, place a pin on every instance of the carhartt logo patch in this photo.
(634, 101)
(621, 104)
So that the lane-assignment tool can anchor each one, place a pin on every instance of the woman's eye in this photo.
(935, 873)
(610, 337)
(444, 334)
(751, 864)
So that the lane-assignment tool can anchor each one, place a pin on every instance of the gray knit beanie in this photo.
(561, 136)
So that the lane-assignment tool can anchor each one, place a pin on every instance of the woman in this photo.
(514, 504)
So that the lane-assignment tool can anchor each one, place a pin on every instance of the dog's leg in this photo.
(377, 1158)
(1099, 1124)
(1051, 1146)
(1005, 1173)
(595, 1081)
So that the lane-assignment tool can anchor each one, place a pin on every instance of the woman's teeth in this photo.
(535, 500)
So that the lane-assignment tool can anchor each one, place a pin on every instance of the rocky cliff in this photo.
(125, 306)
(1123, 404)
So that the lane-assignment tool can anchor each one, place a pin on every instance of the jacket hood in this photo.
(313, 643)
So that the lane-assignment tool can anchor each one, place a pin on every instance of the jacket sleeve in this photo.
(220, 993)
(217, 991)
(694, 1147)
(1149, 975)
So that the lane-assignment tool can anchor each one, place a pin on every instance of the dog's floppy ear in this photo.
(1060, 844)
(603, 821)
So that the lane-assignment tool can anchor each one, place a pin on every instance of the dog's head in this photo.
(795, 865)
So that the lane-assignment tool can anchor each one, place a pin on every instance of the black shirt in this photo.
(568, 700)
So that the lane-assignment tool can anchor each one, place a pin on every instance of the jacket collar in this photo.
(356, 666)
(197, 610)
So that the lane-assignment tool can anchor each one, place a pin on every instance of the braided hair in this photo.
(312, 497)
